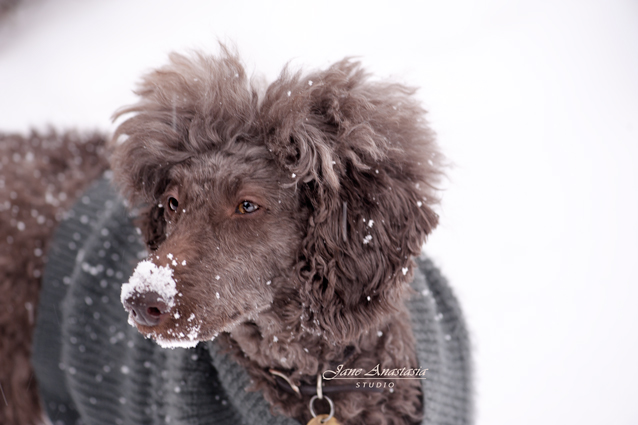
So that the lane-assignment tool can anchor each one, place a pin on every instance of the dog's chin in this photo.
(185, 337)
(181, 341)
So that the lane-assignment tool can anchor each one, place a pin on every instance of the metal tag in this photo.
(318, 420)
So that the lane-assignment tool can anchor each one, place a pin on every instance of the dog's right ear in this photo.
(145, 148)
(365, 164)
(185, 109)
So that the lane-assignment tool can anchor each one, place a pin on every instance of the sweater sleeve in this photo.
(443, 347)
(60, 357)
(64, 253)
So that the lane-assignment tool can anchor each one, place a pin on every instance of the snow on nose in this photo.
(149, 293)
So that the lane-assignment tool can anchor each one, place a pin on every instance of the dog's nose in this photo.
(147, 309)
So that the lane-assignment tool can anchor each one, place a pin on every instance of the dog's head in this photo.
(309, 200)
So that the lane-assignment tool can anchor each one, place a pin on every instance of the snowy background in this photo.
(536, 104)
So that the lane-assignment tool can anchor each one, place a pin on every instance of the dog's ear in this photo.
(366, 164)
(185, 109)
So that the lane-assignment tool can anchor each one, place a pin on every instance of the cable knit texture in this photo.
(94, 368)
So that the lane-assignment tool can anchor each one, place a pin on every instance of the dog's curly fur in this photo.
(41, 175)
(342, 171)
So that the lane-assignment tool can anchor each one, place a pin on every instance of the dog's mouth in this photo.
(172, 329)
(177, 337)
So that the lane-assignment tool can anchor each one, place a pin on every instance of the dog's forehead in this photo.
(230, 168)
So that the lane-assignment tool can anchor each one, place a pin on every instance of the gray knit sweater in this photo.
(94, 368)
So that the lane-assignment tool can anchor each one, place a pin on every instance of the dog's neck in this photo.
(301, 354)
(270, 344)
(273, 345)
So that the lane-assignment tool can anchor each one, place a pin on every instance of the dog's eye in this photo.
(173, 203)
(246, 207)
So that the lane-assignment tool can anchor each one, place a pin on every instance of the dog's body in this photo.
(120, 377)
(41, 176)
(285, 225)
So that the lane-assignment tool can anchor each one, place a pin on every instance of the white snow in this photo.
(185, 341)
(367, 239)
(149, 277)
(174, 343)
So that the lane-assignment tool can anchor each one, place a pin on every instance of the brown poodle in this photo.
(303, 204)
